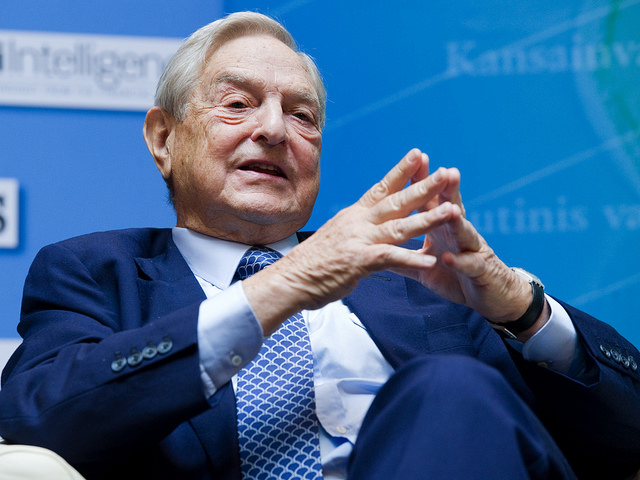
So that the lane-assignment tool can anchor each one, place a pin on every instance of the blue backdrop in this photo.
(537, 104)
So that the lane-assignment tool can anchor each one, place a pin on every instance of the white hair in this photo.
(182, 73)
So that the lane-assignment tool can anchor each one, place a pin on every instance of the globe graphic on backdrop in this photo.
(606, 58)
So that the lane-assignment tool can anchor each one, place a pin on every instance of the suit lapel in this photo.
(168, 284)
(217, 431)
(165, 281)
(379, 302)
(405, 319)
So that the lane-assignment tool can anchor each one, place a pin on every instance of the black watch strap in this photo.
(526, 321)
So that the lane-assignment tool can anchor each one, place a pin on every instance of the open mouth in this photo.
(264, 169)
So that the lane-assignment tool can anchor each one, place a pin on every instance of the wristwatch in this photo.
(512, 329)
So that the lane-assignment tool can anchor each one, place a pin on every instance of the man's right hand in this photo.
(359, 240)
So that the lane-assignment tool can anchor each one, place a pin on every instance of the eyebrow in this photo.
(248, 82)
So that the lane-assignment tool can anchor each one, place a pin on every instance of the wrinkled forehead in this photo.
(248, 80)
(255, 60)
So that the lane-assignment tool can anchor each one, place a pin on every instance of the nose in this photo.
(271, 127)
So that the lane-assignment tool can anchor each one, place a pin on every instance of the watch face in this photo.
(530, 277)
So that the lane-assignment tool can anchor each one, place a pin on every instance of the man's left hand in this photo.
(468, 271)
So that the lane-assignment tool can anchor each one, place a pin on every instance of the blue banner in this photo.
(537, 103)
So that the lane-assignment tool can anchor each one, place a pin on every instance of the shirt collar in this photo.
(215, 260)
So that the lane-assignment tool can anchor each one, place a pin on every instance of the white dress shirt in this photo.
(348, 367)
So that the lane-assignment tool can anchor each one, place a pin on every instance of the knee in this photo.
(455, 386)
(451, 405)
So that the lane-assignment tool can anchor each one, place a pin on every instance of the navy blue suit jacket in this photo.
(94, 302)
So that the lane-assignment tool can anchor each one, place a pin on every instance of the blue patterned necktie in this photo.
(277, 425)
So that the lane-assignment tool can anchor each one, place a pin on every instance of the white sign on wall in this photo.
(81, 71)
(9, 217)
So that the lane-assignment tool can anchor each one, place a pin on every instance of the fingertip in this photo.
(423, 169)
(445, 209)
(452, 175)
(429, 260)
(456, 210)
(439, 174)
(448, 259)
(414, 155)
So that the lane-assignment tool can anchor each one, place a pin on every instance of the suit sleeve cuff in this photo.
(555, 346)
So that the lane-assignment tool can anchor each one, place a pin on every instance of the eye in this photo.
(303, 116)
(238, 105)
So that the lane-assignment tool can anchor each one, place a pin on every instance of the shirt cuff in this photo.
(555, 345)
(229, 337)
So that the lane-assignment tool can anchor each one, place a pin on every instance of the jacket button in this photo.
(119, 363)
(626, 363)
(149, 351)
(236, 360)
(605, 351)
(632, 364)
(165, 345)
(135, 358)
(617, 357)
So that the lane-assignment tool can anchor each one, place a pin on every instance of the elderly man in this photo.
(144, 350)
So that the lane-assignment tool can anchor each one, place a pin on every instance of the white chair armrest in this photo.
(25, 462)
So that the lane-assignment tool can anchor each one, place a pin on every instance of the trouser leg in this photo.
(453, 417)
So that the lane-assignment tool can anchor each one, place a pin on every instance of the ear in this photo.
(157, 130)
